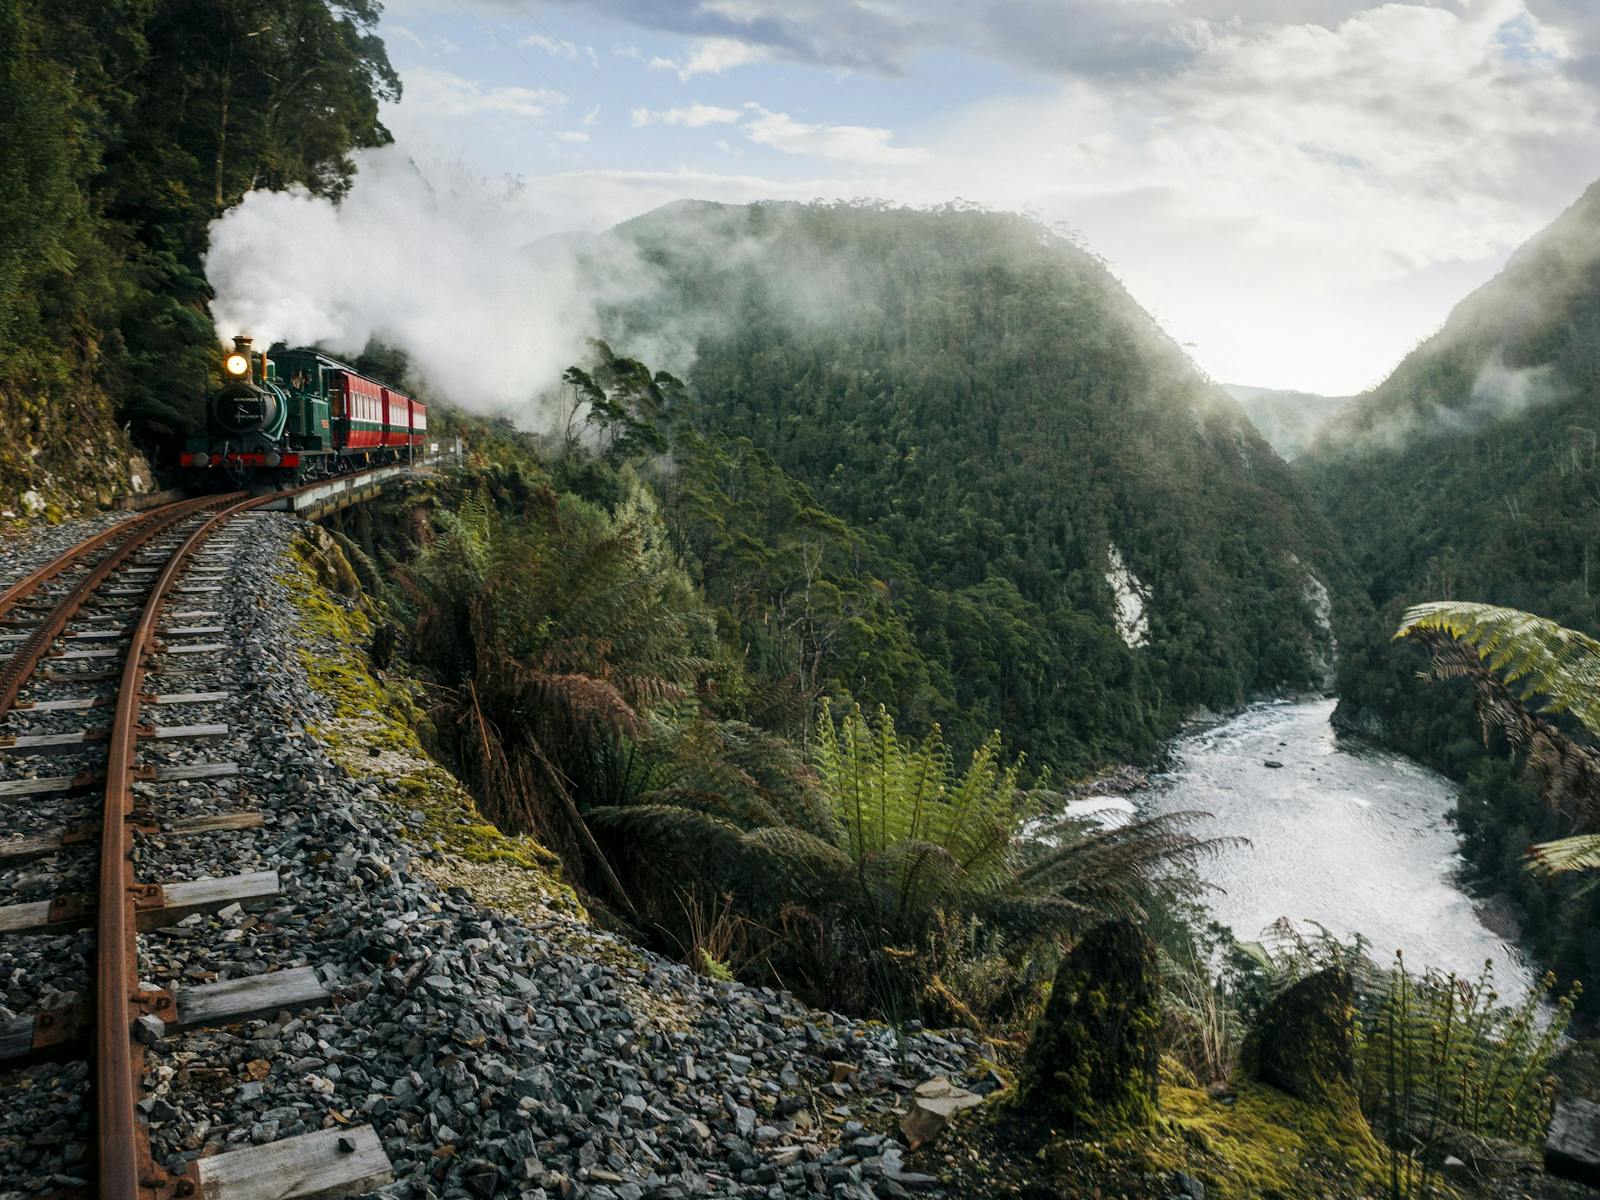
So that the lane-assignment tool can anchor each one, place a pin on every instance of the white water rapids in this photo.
(1355, 839)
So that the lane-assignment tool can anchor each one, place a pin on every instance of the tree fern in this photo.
(1518, 659)
(926, 839)
(1581, 852)
(1543, 660)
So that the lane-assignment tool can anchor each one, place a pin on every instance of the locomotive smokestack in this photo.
(241, 342)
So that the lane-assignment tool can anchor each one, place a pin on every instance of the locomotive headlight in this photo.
(236, 365)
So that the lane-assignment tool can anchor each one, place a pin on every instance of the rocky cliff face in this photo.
(62, 452)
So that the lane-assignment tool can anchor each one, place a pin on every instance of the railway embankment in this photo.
(496, 1042)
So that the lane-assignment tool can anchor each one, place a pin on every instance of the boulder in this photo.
(1304, 1042)
(1572, 1147)
(1091, 1062)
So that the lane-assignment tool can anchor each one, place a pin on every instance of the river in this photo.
(1356, 839)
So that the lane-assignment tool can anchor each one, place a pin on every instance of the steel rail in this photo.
(39, 576)
(25, 658)
(34, 580)
(126, 1171)
(126, 1167)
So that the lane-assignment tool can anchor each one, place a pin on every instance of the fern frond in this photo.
(798, 846)
(667, 820)
(1580, 852)
(1562, 666)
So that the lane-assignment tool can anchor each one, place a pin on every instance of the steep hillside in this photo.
(1474, 470)
(1085, 539)
(1473, 473)
(1290, 421)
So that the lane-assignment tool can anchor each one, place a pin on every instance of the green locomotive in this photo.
(286, 415)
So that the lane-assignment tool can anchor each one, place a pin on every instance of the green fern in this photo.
(1542, 659)
(927, 840)
(1581, 852)
(1505, 649)
(1441, 1064)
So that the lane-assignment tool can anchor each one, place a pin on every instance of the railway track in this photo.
(118, 628)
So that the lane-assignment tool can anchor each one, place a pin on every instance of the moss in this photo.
(1269, 1143)
(1259, 1144)
(1092, 1059)
(62, 450)
(373, 734)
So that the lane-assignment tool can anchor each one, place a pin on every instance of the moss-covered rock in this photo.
(1091, 1063)
(1257, 1144)
(325, 555)
(1304, 1042)
(372, 732)
(62, 450)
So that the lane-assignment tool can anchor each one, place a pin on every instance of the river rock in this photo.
(1092, 1060)
(1572, 1147)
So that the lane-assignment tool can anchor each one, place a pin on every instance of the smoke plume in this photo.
(466, 275)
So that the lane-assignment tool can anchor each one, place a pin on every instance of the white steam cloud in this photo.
(466, 275)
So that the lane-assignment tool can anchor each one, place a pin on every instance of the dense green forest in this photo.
(941, 432)
(130, 125)
(588, 689)
(1473, 473)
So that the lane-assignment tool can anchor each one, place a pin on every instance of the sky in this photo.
(1298, 190)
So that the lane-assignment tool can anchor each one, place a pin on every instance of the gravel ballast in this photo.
(498, 1043)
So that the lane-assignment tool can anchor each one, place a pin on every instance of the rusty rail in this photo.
(126, 1167)
(126, 1170)
(16, 670)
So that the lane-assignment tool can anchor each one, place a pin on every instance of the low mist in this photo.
(1500, 393)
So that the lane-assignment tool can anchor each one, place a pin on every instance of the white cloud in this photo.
(1095, 39)
(562, 49)
(1304, 202)
(845, 143)
(591, 118)
(693, 116)
(441, 93)
(576, 136)
(1301, 188)
(713, 56)
(706, 56)
(435, 45)
(400, 31)
(554, 47)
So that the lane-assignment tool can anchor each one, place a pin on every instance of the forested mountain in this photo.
(1473, 474)
(131, 124)
(1003, 497)
(1473, 471)
(1290, 421)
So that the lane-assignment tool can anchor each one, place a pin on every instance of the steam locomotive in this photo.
(286, 415)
